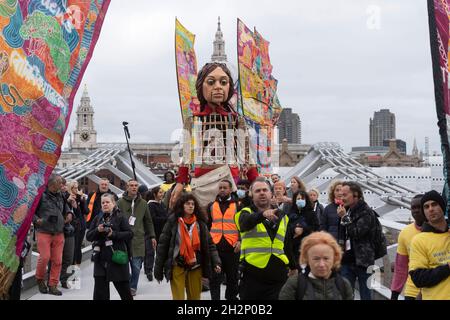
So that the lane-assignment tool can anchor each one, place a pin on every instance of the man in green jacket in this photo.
(136, 210)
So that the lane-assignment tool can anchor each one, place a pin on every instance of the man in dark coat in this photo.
(356, 237)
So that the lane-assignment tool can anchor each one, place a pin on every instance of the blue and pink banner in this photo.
(45, 48)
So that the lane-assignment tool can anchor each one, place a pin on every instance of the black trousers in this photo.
(262, 284)
(16, 286)
(149, 259)
(79, 236)
(230, 267)
(67, 258)
(101, 289)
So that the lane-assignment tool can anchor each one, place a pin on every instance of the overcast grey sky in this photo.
(337, 61)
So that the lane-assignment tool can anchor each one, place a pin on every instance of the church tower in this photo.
(85, 136)
(219, 46)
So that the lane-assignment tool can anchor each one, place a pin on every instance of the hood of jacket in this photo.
(128, 198)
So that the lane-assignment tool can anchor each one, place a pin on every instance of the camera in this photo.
(107, 227)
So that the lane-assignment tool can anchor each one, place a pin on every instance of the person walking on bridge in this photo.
(266, 248)
(136, 210)
(225, 236)
(429, 264)
(401, 277)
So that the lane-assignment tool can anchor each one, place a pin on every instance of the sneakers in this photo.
(54, 291)
(150, 277)
(133, 292)
(42, 286)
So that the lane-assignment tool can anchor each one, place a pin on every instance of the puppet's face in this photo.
(216, 87)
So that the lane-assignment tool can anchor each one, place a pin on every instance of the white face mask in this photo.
(241, 193)
(301, 203)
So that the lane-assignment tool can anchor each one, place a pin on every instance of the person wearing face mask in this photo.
(302, 220)
(226, 237)
(244, 199)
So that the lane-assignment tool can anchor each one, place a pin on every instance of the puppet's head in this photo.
(214, 85)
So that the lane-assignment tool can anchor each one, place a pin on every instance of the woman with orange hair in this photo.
(322, 256)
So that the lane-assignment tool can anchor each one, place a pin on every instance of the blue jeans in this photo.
(136, 265)
(351, 272)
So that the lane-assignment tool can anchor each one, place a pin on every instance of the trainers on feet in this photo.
(53, 290)
(42, 286)
(150, 277)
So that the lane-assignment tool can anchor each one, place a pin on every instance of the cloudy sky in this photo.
(337, 61)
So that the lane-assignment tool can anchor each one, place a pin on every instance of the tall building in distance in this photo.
(382, 127)
(289, 127)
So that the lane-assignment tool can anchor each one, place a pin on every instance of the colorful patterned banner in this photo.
(186, 63)
(259, 101)
(44, 50)
(438, 17)
(258, 87)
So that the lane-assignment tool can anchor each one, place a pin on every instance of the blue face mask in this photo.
(301, 203)
(241, 193)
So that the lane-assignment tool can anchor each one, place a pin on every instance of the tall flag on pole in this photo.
(259, 102)
(438, 17)
(186, 63)
(44, 50)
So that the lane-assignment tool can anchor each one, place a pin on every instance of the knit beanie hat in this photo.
(433, 195)
(142, 189)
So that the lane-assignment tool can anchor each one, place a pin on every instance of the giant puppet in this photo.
(45, 48)
(228, 127)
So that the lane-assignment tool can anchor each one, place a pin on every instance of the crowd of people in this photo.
(263, 240)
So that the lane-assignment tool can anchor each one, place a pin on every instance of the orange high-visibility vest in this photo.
(91, 206)
(224, 224)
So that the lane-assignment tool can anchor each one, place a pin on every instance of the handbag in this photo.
(119, 256)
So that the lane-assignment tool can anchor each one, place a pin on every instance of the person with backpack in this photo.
(321, 280)
(360, 237)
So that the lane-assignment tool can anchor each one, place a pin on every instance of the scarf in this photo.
(189, 240)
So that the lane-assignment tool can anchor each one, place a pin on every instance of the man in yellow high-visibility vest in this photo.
(266, 248)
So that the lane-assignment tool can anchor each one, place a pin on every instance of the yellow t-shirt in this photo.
(428, 251)
(404, 245)
(166, 186)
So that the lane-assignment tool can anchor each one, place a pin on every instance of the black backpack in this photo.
(379, 242)
(303, 283)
